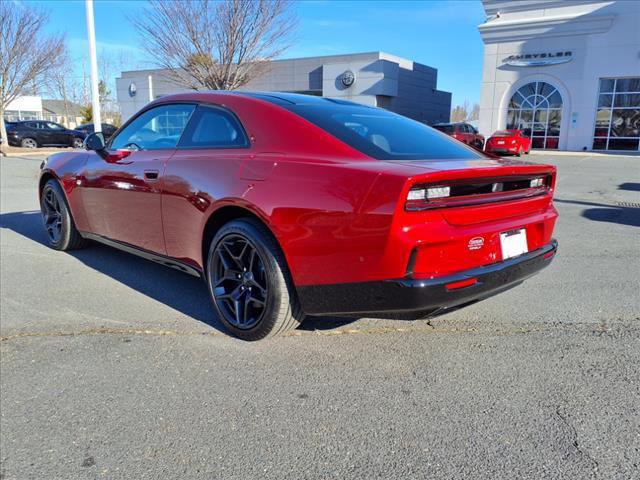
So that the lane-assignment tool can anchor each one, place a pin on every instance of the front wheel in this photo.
(249, 282)
(29, 143)
(77, 143)
(56, 217)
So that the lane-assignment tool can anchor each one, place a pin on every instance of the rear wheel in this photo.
(249, 282)
(29, 143)
(56, 217)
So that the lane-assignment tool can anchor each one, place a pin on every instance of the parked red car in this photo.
(464, 132)
(508, 142)
(291, 205)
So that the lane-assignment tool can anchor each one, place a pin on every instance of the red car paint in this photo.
(508, 142)
(338, 215)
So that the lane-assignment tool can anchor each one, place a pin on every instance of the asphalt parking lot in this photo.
(114, 367)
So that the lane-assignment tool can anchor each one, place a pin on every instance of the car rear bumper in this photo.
(415, 298)
(502, 150)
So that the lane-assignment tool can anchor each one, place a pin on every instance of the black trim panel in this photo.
(146, 254)
(411, 298)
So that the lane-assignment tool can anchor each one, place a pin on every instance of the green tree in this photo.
(87, 113)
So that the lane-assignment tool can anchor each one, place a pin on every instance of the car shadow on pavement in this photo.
(621, 214)
(630, 186)
(180, 291)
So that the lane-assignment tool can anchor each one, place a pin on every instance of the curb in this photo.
(580, 153)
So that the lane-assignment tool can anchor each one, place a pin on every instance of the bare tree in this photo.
(26, 53)
(464, 113)
(475, 112)
(218, 45)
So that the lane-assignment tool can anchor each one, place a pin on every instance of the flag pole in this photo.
(95, 94)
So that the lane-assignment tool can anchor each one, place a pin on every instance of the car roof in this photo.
(285, 98)
(448, 124)
(278, 98)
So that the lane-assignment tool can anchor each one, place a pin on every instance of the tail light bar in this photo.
(476, 191)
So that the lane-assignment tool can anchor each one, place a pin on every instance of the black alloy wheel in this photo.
(52, 214)
(239, 281)
(249, 281)
(56, 217)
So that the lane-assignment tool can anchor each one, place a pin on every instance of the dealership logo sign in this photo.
(476, 243)
(538, 59)
(348, 78)
(132, 89)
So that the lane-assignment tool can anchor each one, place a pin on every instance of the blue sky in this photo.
(441, 34)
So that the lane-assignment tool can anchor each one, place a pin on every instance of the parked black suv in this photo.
(41, 133)
(107, 129)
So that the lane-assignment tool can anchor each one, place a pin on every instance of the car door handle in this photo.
(151, 174)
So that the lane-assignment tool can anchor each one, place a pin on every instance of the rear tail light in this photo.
(476, 191)
(537, 182)
(419, 196)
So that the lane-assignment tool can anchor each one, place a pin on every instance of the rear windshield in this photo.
(381, 134)
(503, 133)
(445, 128)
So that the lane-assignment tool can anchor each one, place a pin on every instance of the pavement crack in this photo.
(424, 328)
(109, 331)
(576, 444)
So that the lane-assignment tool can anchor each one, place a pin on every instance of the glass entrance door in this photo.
(536, 110)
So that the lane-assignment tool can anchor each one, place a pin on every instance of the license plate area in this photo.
(500, 142)
(513, 243)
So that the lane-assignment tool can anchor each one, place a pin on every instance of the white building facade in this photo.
(565, 72)
(24, 108)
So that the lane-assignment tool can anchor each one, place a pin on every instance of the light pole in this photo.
(95, 93)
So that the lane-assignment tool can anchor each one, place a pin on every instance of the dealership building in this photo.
(377, 78)
(565, 72)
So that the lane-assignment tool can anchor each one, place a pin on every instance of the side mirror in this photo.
(94, 141)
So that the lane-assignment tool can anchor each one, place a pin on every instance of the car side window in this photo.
(32, 125)
(213, 127)
(158, 128)
(53, 126)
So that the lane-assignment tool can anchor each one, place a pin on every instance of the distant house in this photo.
(59, 111)
(24, 108)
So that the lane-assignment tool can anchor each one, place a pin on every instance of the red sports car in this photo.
(291, 205)
(511, 142)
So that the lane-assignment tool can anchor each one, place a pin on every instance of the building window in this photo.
(618, 116)
(18, 115)
(536, 110)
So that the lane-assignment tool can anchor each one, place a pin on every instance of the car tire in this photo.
(58, 223)
(77, 142)
(249, 282)
(29, 143)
